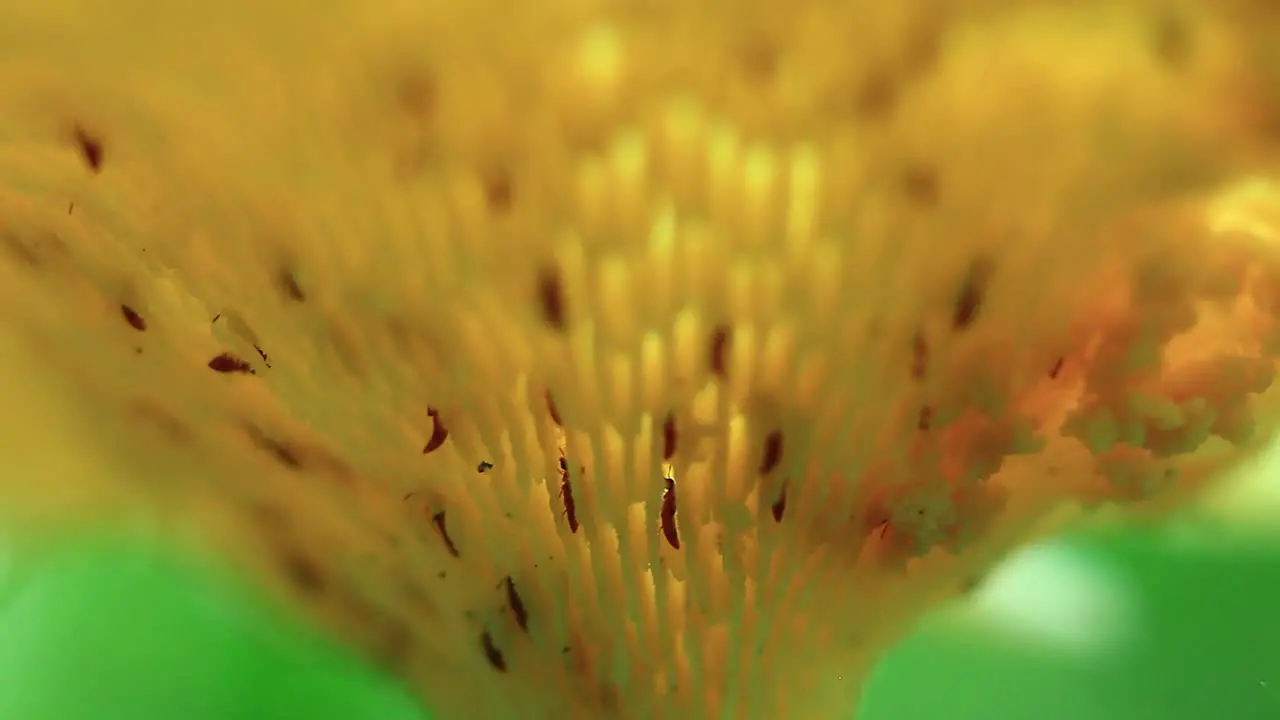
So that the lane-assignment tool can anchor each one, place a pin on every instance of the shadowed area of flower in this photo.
(637, 360)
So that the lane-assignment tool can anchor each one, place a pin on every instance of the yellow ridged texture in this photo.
(882, 289)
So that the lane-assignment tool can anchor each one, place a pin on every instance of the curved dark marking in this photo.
(439, 433)
(438, 520)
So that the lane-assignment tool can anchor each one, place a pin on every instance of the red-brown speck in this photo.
(136, 321)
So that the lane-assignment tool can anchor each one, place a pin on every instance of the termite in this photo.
(668, 515)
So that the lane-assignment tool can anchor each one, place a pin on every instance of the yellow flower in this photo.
(636, 359)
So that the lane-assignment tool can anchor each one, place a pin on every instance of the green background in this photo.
(113, 631)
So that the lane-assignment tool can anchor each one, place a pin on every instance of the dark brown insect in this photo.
(439, 433)
(925, 420)
(484, 466)
(668, 515)
(566, 492)
(772, 452)
(719, 355)
(780, 505)
(669, 437)
(229, 363)
(136, 321)
(516, 603)
(492, 653)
